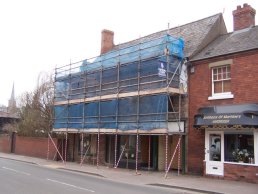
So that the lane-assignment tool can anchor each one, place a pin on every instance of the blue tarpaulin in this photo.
(144, 66)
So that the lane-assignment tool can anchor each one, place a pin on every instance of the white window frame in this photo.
(223, 95)
(255, 134)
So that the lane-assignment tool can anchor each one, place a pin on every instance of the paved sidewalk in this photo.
(195, 184)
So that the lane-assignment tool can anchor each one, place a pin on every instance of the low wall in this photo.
(28, 146)
(5, 143)
(239, 172)
(34, 147)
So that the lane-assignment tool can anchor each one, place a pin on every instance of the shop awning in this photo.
(243, 115)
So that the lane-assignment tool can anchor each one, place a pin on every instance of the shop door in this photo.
(214, 155)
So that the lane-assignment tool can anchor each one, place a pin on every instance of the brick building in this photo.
(107, 106)
(129, 101)
(223, 103)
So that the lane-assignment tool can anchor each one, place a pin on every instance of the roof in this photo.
(196, 35)
(8, 115)
(234, 42)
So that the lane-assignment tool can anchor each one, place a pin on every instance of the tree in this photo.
(36, 108)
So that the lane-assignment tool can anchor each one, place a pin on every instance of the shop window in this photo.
(128, 147)
(239, 148)
(86, 144)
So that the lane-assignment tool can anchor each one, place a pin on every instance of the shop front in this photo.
(231, 140)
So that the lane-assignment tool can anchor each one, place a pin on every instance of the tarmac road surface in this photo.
(23, 178)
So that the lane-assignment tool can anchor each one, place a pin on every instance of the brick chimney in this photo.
(243, 17)
(107, 41)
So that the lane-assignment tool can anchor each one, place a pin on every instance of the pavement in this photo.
(188, 183)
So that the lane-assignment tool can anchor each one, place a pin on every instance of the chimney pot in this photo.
(107, 41)
(244, 17)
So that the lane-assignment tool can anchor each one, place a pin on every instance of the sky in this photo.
(36, 36)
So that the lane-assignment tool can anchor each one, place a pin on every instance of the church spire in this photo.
(12, 102)
(12, 95)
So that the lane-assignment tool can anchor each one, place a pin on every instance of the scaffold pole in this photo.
(115, 148)
(166, 152)
(66, 142)
(85, 155)
(137, 151)
(178, 159)
(55, 147)
(48, 147)
(81, 147)
(172, 158)
(121, 154)
(149, 154)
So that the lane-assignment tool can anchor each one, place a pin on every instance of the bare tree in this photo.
(36, 112)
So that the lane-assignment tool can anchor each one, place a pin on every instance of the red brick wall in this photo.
(5, 143)
(244, 79)
(144, 141)
(241, 172)
(102, 149)
(34, 147)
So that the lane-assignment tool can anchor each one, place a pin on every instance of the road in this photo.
(25, 178)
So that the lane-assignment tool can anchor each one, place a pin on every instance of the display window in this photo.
(239, 147)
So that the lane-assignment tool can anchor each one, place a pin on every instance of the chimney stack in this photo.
(107, 41)
(243, 17)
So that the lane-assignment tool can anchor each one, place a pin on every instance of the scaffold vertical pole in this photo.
(62, 144)
(178, 159)
(81, 148)
(138, 108)
(66, 142)
(83, 118)
(99, 121)
(68, 102)
(98, 150)
(149, 154)
(115, 147)
(48, 147)
(166, 153)
(137, 151)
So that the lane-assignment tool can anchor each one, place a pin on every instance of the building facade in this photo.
(128, 107)
(223, 103)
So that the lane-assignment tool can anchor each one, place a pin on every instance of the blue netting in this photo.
(154, 73)
(133, 53)
(121, 114)
(139, 67)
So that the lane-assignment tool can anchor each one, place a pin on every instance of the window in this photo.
(221, 82)
(239, 147)
(221, 79)
(215, 147)
(86, 144)
(128, 147)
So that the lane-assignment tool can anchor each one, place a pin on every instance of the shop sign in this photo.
(222, 118)
(235, 120)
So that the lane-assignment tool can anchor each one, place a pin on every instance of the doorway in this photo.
(214, 154)
(126, 150)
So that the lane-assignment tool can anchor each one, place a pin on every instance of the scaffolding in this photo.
(129, 90)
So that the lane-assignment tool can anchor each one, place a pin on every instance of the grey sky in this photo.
(38, 35)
